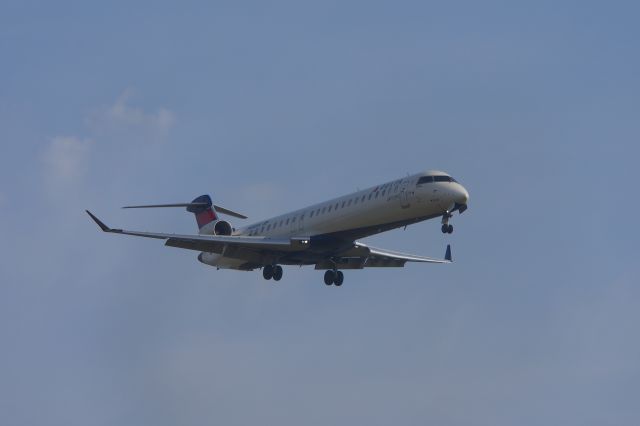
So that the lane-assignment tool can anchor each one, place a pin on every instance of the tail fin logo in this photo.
(205, 214)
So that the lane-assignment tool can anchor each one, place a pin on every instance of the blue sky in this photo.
(269, 106)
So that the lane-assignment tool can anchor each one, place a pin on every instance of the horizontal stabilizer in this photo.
(219, 209)
(151, 206)
(228, 212)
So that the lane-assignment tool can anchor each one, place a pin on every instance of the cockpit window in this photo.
(425, 179)
(429, 179)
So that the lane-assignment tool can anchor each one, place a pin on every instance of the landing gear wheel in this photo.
(445, 228)
(450, 229)
(329, 277)
(277, 273)
(339, 278)
(267, 272)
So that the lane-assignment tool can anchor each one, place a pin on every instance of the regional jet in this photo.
(324, 234)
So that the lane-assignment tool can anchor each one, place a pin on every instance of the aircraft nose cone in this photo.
(460, 195)
(463, 196)
(461, 199)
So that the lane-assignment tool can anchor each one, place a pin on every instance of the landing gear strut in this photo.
(333, 277)
(446, 227)
(272, 271)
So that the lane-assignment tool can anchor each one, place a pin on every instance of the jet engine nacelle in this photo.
(222, 227)
(219, 261)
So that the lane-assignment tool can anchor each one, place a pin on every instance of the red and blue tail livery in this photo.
(202, 208)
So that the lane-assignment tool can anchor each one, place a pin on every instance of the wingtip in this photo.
(447, 255)
(102, 226)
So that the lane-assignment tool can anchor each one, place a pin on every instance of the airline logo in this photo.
(205, 217)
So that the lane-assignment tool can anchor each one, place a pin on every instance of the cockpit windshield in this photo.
(429, 179)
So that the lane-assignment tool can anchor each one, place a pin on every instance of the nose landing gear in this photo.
(447, 228)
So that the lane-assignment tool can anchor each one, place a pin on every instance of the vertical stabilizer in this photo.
(205, 213)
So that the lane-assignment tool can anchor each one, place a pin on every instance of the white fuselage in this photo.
(396, 201)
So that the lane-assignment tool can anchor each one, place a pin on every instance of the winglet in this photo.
(447, 255)
(102, 226)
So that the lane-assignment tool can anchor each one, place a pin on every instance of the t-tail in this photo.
(206, 213)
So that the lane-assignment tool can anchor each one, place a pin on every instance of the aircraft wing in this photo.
(380, 255)
(214, 243)
(358, 256)
(362, 256)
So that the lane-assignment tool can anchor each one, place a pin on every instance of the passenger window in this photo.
(311, 215)
(370, 196)
(329, 209)
(343, 204)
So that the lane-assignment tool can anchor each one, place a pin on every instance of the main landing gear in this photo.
(272, 271)
(333, 277)
(447, 228)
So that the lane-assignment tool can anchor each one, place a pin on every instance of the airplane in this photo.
(323, 234)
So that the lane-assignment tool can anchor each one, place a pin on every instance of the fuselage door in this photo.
(405, 196)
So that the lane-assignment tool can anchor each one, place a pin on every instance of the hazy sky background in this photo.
(270, 106)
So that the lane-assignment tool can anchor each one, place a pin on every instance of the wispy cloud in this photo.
(66, 158)
(124, 115)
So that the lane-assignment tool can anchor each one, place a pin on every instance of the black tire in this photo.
(444, 229)
(450, 229)
(339, 278)
(267, 272)
(329, 277)
(277, 273)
